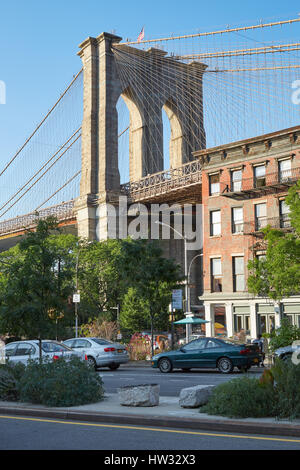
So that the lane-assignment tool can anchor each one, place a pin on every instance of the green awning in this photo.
(190, 321)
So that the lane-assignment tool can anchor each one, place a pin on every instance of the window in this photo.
(238, 274)
(197, 344)
(241, 322)
(285, 169)
(284, 211)
(70, 342)
(261, 257)
(54, 347)
(260, 216)
(214, 184)
(25, 349)
(236, 180)
(81, 344)
(216, 275)
(259, 176)
(101, 341)
(266, 323)
(237, 220)
(10, 349)
(215, 223)
(212, 344)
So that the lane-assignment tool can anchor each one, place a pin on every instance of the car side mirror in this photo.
(182, 349)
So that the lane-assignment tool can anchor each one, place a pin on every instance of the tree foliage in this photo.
(36, 281)
(285, 335)
(99, 279)
(278, 275)
(152, 276)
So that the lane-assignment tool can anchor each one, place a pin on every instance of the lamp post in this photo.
(185, 266)
(76, 287)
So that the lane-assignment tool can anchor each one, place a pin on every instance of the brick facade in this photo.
(225, 301)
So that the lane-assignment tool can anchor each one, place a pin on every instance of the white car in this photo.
(100, 352)
(22, 351)
(289, 352)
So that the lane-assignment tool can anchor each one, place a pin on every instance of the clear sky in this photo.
(39, 41)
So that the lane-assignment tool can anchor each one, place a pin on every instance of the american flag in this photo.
(141, 35)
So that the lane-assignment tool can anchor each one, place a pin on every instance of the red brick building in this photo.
(244, 185)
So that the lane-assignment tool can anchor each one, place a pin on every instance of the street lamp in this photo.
(185, 266)
(76, 287)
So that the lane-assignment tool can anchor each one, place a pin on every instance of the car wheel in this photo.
(114, 366)
(286, 358)
(225, 365)
(91, 362)
(165, 365)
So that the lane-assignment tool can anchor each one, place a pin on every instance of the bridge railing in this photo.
(63, 211)
(164, 181)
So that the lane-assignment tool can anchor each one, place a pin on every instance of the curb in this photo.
(135, 364)
(231, 426)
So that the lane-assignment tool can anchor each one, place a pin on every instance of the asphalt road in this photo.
(170, 384)
(19, 433)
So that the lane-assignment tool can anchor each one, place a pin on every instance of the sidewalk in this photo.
(167, 414)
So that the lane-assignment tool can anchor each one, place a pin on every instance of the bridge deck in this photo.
(181, 184)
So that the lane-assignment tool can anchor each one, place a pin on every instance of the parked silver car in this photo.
(100, 352)
(287, 352)
(22, 351)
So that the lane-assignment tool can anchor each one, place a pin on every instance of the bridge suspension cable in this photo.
(213, 33)
(41, 123)
(42, 168)
(242, 52)
(40, 176)
(58, 190)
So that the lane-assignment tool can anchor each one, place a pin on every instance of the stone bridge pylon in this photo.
(103, 86)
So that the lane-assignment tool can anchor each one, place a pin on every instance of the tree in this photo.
(152, 276)
(99, 279)
(36, 281)
(285, 335)
(278, 275)
(134, 313)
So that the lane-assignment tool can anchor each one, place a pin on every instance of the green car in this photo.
(209, 353)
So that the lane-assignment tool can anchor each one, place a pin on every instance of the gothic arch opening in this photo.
(177, 146)
(135, 159)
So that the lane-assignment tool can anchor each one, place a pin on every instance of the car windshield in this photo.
(102, 341)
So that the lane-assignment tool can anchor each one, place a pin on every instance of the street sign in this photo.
(76, 298)
(177, 299)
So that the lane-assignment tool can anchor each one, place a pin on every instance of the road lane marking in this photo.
(140, 428)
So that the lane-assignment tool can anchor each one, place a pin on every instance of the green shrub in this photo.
(287, 389)
(60, 383)
(241, 398)
(10, 375)
(17, 369)
(8, 386)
